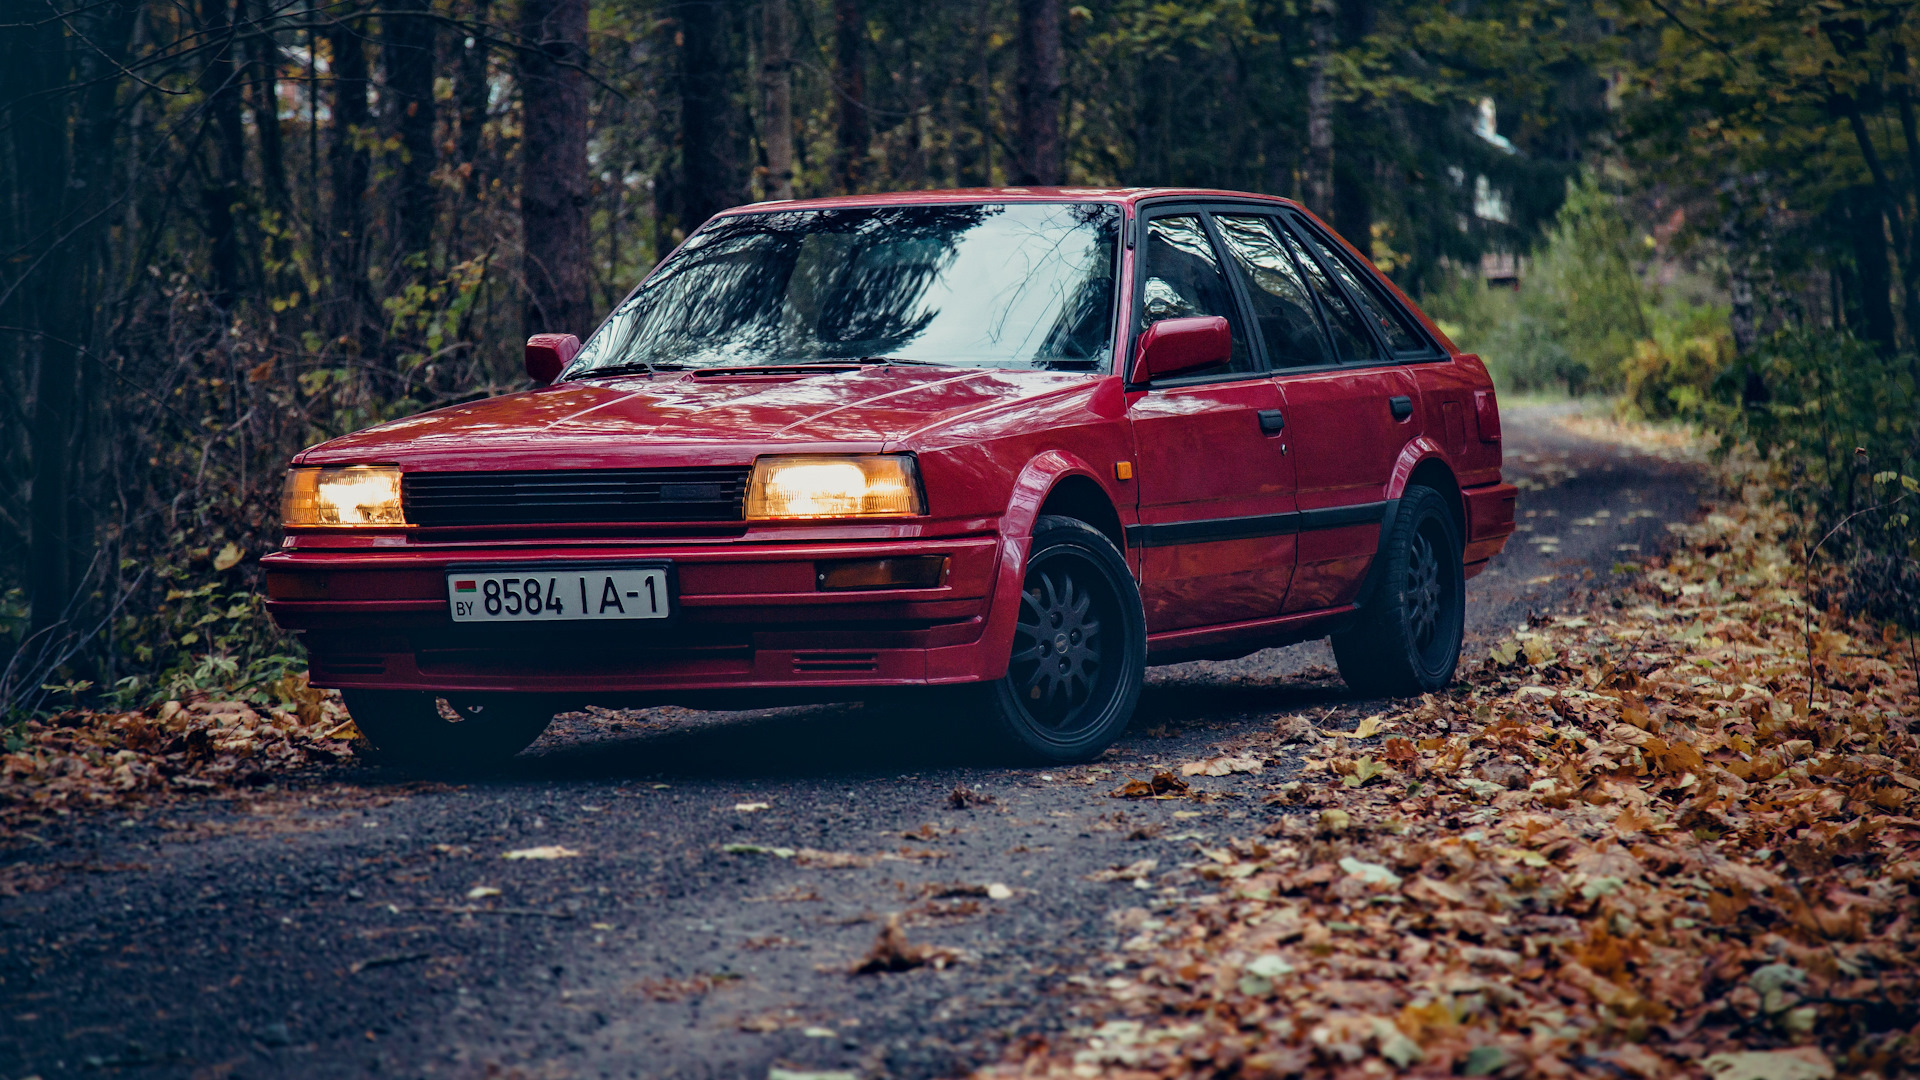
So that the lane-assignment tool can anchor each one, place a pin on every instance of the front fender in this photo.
(1030, 490)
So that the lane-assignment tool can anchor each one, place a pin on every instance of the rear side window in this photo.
(1281, 304)
(1351, 339)
(1184, 279)
(1401, 336)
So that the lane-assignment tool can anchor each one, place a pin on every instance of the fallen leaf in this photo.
(752, 807)
(757, 849)
(545, 851)
(1370, 873)
(482, 892)
(228, 558)
(1132, 871)
(1163, 785)
(893, 952)
(1800, 1063)
(1222, 766)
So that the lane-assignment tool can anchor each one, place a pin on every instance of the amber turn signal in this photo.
(912, 572)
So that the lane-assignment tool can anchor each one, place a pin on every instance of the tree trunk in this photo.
(409, 44)
(852, 132)
(348, 165)
(1320, 112)
(1883, 188)
(1039, 86)
(221, 82)
(1869, 237)
(1354, 177)
(43, 148)
(708, 136)
(776, 95)
(265, 86)
(470, 97)
(973, 161)
(1903, 98)
(553, 164)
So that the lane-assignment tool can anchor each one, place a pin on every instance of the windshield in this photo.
(1015, 285)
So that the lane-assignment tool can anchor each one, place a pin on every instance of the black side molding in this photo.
(1242, 528)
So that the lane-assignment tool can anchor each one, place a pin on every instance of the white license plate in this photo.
(540, 595)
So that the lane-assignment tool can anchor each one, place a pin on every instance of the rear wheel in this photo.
(1079, 650)
(1408, 639)
(453, 731)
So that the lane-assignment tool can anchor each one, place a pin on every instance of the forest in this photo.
(232, 228)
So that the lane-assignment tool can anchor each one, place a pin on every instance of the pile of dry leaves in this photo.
(1674, 836)
(83, 759)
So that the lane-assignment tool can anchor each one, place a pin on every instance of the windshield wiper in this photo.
(628, 369)
(882, 360)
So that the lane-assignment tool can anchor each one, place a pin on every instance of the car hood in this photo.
(687, 419)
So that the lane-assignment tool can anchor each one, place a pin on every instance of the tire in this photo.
(409, 727)
(1408, 638)
(1079, 652)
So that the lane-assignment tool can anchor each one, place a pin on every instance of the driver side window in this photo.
(1184, 279)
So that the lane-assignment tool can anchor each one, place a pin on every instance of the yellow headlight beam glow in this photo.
(349, 497)
(819, 486)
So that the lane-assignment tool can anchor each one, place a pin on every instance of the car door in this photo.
(1214, 478)
(1347, 423)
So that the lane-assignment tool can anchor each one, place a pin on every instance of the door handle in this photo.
(1401, 405)
(1272, 421)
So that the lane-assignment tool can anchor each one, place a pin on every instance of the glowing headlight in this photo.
(356, 496)
(865, 485)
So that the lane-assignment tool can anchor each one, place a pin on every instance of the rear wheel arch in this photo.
(1433, 473)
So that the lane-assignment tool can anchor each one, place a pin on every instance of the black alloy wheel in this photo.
(1079, 649)
(1407, 640)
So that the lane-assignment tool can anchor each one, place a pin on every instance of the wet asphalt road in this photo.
(326, 928)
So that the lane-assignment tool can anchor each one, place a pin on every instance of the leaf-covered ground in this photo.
(87, 760)
(1671, 836)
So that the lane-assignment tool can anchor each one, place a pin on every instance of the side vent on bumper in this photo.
(821, 662)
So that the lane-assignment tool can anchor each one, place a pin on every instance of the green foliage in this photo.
(1842, 423)
(1584, 320)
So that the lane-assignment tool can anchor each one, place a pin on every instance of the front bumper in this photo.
(747, 618)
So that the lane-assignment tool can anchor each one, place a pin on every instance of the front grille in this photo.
(586, 496)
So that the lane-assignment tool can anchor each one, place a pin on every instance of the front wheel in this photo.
(462, 731)
(1408, 638)
(1079, 650)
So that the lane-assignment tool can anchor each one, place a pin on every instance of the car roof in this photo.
(1118, 195)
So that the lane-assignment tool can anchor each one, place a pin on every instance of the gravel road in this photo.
(345, 923)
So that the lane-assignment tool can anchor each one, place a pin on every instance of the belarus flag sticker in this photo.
(464, 586)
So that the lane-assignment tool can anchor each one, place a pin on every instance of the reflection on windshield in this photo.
(1025, 285)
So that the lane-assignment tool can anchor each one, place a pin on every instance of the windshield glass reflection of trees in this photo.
(1022, 285)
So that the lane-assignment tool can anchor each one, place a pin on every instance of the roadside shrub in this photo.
(1585, 321)
(1841, 422)
(1672, 372)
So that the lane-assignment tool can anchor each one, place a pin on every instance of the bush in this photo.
(1673, 372)
(1583, 321)
(1841, 422)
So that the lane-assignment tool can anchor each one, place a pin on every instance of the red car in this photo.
(1017, 444)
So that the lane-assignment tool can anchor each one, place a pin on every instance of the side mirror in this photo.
(548, 355)
(1172, 346)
